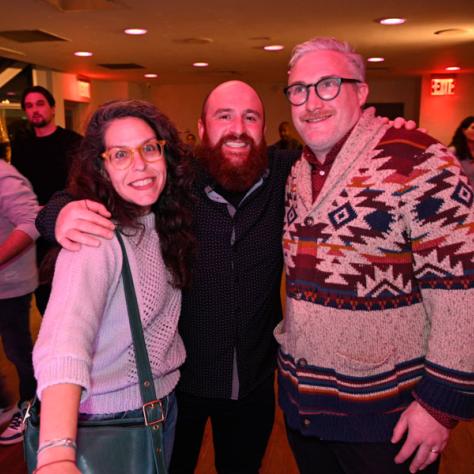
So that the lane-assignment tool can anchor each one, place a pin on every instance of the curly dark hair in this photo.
(173, 209)
(459, 141)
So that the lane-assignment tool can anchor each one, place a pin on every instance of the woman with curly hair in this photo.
(132, 161)
(462, 145)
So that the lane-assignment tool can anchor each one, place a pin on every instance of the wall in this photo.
(182, 103)
(406, 90)
(441, 115)
(63, 86)
(103, 91)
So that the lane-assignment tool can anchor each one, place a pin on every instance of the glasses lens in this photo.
(120, 157)
(297, 93)
(328, 88)
(151, 150)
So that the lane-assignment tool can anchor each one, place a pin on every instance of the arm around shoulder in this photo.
(75, 223)
(46, 219)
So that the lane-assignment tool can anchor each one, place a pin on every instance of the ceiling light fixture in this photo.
(453, 68)
(200, 64)
(135, 31)
(151, 75)
(391, 21)
(376, 59)
(83, 54)
(273, 47)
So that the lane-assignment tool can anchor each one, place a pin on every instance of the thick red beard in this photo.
(231, 176)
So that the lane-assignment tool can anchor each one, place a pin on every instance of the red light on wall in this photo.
(442, 85)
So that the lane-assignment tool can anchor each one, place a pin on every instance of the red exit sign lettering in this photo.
(442, 86)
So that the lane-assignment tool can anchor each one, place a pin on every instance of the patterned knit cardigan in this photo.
(380, 287)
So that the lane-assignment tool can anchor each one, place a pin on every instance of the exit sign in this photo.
(442, 86)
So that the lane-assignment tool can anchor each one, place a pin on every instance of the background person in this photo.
(462, 145)
(18, 280)
(287, 141)
(131, 159)
(44, 158)
(190, 140)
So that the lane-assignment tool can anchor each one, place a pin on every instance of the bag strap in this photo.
(152, 408)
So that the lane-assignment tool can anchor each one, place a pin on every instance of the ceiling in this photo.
(229, 35)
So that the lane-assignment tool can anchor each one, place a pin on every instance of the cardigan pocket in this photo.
(366, 364)
(365, 346)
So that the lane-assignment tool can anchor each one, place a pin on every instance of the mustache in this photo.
(233, 177)
(318, 114)
(243, 137)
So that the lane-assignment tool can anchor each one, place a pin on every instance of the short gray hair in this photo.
(329, 44)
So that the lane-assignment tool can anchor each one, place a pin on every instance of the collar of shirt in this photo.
(320, 171)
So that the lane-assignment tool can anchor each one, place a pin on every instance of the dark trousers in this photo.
(314, 456)
(16, 337)
(240, 430)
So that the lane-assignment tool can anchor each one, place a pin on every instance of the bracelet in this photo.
(51, 463)
(55, 443)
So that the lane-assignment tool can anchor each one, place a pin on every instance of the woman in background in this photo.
(462, 145)
(131, 161)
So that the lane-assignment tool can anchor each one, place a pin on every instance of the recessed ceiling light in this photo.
(200, 64)
(151, 75)
(453, 68)
(391, 21)
(83, 54)
(135, 31)
(273, 47)
(375, 60)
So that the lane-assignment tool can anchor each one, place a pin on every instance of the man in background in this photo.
(287, 141)
(44, 158)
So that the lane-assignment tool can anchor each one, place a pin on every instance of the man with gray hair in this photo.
(376, 360)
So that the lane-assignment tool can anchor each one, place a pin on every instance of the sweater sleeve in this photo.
(82, 286)
(440, 213)
(47, 217)
(18, 202)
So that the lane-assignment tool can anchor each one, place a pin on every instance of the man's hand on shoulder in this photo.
(425, 435)
(401, 122)
(81, 223)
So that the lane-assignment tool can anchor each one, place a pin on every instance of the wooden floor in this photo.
(458, 457)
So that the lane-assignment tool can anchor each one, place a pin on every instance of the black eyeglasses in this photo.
(327, 88)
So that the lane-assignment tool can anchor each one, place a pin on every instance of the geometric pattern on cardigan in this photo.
(362, 213)
(392, 226)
